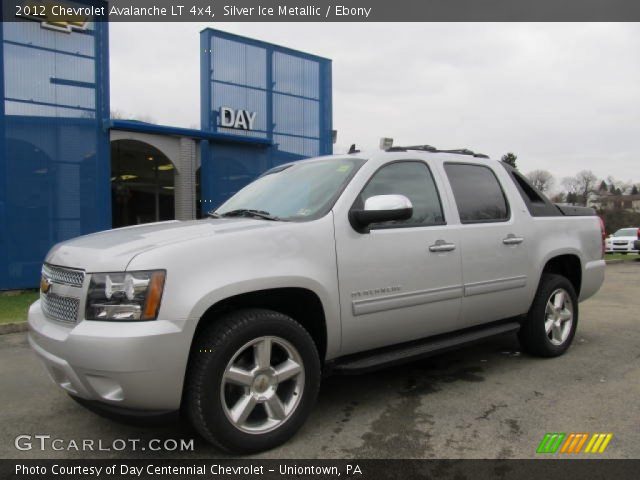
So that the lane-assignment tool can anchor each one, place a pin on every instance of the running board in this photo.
(366, 361)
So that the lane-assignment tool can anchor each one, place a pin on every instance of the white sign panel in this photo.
(240, 119)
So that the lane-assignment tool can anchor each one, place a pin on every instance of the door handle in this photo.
(511, 239)
(442, 246)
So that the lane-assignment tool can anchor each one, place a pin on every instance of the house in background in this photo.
(630, 203)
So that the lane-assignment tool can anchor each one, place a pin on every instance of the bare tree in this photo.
(145, 119)
(541, 179)
(118, 115)
(571, 184)
(582, 185)
(122, 115)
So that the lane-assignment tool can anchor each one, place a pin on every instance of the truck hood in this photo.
(622, 239)
(112, 250)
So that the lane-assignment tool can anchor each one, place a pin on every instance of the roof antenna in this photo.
(353, 149)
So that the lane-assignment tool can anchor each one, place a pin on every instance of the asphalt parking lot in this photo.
(487, 401)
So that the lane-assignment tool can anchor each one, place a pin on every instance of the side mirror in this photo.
(381, 208)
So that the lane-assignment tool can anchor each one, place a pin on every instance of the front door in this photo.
(402, 280)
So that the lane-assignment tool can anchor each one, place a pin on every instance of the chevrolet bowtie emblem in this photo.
(45, 285)
(49, 17)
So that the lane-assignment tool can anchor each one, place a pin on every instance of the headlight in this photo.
(125, 296)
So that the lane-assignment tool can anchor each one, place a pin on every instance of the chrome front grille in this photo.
(66, 276)
(63, 309)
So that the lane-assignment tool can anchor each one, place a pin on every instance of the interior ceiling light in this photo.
(128, 177)
(165, 167)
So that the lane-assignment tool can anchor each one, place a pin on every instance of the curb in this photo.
(615, 261)
(13, 328)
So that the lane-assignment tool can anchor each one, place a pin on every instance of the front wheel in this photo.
(550, 325)
(252, 381)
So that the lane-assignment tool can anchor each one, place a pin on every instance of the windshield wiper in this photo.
(213, 214)
(246, 212)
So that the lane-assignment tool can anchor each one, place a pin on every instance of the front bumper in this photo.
(631, 247)
(135, 365)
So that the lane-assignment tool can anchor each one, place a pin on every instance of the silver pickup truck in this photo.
(342, 264)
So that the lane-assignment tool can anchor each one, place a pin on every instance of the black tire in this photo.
(533, 336)
(212, 351)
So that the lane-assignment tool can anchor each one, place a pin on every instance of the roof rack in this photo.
(464, 151)
(423, 148)
(429, 148)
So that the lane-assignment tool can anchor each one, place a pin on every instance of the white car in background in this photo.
(623, 241)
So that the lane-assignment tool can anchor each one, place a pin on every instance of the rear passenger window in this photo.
(413, 180)
(478, 194)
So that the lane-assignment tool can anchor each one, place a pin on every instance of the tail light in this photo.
(604, 235)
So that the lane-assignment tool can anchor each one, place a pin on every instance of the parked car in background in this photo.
(623, 241)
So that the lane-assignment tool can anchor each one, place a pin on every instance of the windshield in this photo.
(626, 232)
(296, 192)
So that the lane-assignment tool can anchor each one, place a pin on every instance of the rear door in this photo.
(493, 240)
(393, 287)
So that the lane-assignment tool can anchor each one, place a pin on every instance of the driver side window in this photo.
(412, 179)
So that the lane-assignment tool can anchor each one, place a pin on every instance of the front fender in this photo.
(204, 271)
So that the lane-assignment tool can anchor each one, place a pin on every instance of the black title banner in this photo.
(62, 11)
(318, 469)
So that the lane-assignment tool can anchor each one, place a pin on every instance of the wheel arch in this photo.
(302, 304)
(294, 302)
(567, 264)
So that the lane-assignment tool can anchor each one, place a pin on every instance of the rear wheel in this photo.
(253, 380)
(550, 325)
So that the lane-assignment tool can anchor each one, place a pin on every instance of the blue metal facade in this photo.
(290, 93)
(55, 164)
(54, 149)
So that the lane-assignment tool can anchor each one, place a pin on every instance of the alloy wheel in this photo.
(558, 316)
(262, 384)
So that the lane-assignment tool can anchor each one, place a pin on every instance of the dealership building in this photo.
(68, 169)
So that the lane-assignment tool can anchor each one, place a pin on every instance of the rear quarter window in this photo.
(537, 203)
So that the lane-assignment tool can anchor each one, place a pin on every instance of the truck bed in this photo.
(573, 211)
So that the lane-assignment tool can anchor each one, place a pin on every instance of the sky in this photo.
(562, 97)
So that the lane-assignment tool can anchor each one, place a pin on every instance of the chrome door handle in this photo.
(442, 246)
(511, 239)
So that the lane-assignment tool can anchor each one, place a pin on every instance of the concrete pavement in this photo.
(487, 401)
